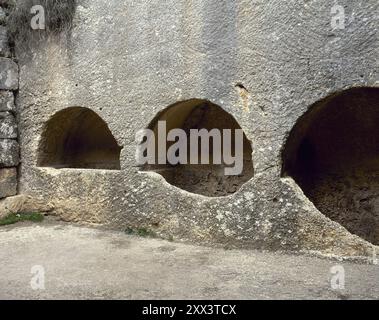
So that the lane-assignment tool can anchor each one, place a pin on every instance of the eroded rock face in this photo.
(24, 204)
(351, 199)
(7, 101)
(8, 182)
(264, 64)
(9, 153)
(333, 154)
(8, 126)
(205, 179)
(8, 75)
(78, 138)
(208, 180)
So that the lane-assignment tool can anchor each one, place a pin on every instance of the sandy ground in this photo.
(89, 263)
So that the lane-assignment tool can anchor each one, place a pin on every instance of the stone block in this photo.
(8, 74)
(24, 204)
(4, 42)
(7, 101)
(8, 126)
(9, 153)
(8, 182)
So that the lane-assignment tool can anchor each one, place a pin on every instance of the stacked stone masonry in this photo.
(9, 147)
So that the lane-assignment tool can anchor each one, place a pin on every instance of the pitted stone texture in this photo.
(8, 182)
(7, 101)
(4, 43)
(8, 74)
(24, 204)
(8, 126)
(284, 53)
(3, 16)
(9, 153)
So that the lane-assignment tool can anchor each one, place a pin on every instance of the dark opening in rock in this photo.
(78, 138)
(333, 154)
(205, 179)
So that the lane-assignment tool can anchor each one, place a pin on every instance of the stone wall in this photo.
(263, 62)
(9, 148)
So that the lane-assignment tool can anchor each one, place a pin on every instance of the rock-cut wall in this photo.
(121, 65)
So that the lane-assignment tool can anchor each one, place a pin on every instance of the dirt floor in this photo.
(89, 263)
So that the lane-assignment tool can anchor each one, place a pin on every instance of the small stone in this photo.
(8, 74)
(8, 182)
(8, 126)
(9, 153)
(7, 101)
(24, 204)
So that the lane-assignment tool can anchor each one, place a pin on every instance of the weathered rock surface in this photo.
(9, 153)
(127, 62)
(8, 74)
(7, 101)
(8, 126)
(4, 44)
(8, 182)
(24, 204)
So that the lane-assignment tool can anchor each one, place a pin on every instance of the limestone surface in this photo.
(264, 62)
(8, 182)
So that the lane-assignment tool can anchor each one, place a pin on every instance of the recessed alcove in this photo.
(78, 138)
(333, 154)
(205, 179)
